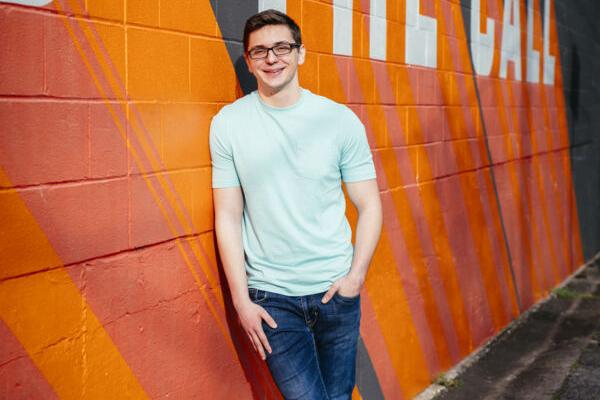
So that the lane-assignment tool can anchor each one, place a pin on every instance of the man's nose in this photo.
(271, 57)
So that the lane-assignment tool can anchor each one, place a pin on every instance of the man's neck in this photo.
(283, 98)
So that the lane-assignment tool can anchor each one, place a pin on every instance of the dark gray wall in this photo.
(579, 38)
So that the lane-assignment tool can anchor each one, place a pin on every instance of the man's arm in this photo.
(229, 205)
(365, 197)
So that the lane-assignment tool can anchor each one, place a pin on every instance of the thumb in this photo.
(330, 293)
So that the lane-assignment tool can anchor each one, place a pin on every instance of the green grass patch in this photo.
(565, 293)
(447, 383)
(570, 294)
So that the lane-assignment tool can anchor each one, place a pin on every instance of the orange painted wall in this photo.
(109, 280)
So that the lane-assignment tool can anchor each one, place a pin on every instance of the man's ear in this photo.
(301, 54)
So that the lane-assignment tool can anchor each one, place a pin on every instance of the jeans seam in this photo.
(312, 336)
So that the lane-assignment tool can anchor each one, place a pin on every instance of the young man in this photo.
(279, 156)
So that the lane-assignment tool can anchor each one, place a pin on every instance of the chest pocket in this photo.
(316, 160)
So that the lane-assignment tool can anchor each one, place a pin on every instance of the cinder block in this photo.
(25, 247)
(112, 10)
(25, 296)
(74, 217)
(405, 94)
(487, 91)
(207, 245)
(449, 54)
(196, 345)
(145, 135)
(390, 165)
(406, 158)
(151, 212)
(188, 16)
(144, 12)
(395, 40)
(158, 65)
(20, 377)
(108, 44)
(379, 137)
(134, 281)
(21, 52)
(493, 123)
(308, 73)
(162, 206)
(432, 123)
(362, 87)
(455, 128)
(180, 195)
(203, 214)
(394, 117)
(68, 43)
(108, 140)
(428, 87)
(393, 11)
(384, 83)
(497, 149)
(448, 82)
(317, 26)
(212, 75)
(360, 35)
(185, 135)
(398, 133)
(44, 141)
(333, 77)
(440, 158)
(294, 10)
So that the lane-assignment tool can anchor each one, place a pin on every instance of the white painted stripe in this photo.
(549, 61)
(482, 44)
(533, 55)
(421, 37)
(511, 39)
(378, 30)
(271, 4)
(342, 27)
(35, 3)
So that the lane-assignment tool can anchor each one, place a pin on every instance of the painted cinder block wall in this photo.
(110, 285)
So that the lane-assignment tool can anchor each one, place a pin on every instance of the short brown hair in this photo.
(270, 17)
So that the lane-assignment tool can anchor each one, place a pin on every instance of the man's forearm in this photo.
(229, 238)
(368, 229)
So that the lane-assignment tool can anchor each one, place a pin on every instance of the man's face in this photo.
(274, 73)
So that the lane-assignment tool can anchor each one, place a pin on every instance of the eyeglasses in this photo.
(280, 49)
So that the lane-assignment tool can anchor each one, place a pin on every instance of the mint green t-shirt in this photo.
(290, 163)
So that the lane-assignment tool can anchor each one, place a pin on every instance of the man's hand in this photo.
(251, 316)
(348, 286)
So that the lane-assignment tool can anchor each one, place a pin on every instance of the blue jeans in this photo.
(314, 344)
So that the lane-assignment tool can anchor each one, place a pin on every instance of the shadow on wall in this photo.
(254, 368)
(247, 80)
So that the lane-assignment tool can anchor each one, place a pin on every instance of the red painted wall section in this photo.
(110, 281)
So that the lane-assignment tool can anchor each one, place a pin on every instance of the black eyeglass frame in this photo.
(272, 48)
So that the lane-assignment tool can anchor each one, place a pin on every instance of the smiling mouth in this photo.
(274, 72)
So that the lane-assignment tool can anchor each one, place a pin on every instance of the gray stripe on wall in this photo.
(366, 379)
(231, 16)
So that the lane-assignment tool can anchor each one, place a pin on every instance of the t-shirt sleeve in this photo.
(224, 173)
(356, 160)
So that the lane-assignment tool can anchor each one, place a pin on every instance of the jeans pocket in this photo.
(257, 296)
(344, 299)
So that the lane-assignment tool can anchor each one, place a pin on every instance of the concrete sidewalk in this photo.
(552, 352)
